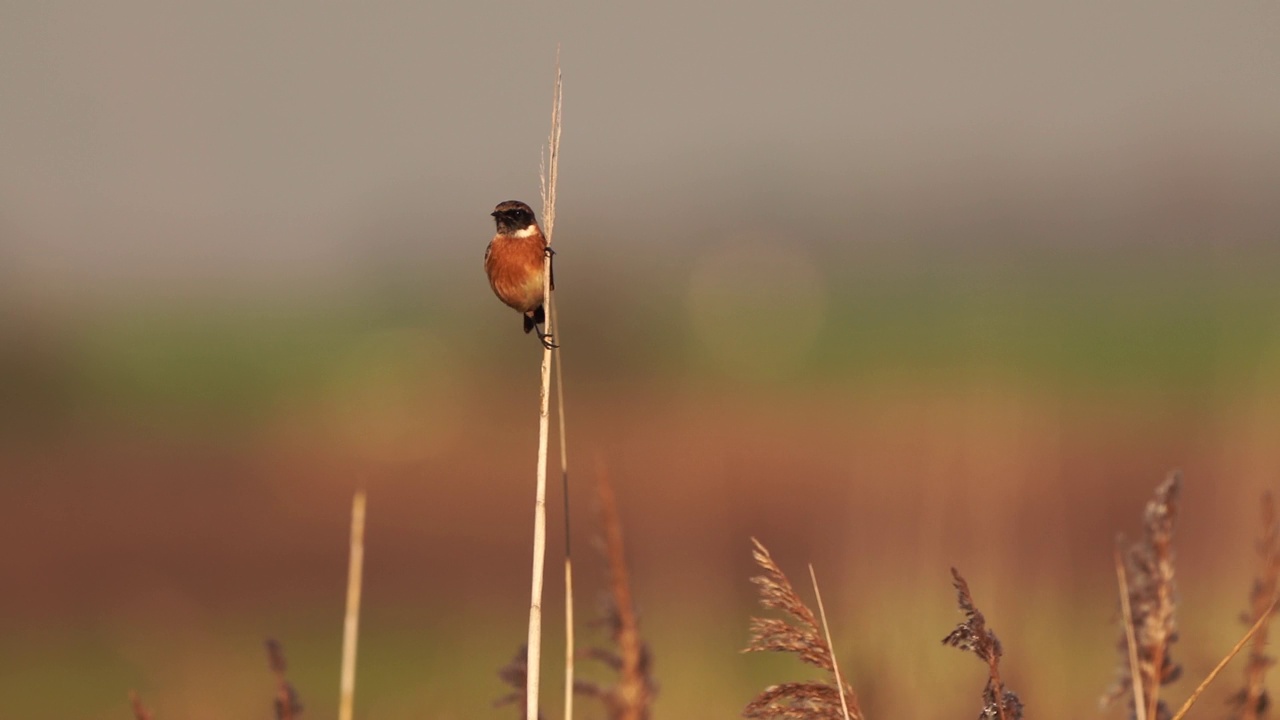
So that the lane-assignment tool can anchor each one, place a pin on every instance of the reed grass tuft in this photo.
(1151, 621)
(972, 635)
(1253, 702)
(631, 696)
(803, 637)
(287, 704)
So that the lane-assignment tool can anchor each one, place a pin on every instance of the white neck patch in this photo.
(526, 232)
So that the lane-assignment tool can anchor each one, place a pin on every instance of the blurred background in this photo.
(890, 288)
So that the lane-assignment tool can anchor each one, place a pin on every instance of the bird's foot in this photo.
(545, 339)
(548, 251)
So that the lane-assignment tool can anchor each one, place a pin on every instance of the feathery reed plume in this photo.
(551, 172)
(286, 702)
(515, 674)
(140, 711)
(795, 700)
(631, 697)
(540, 496)
(1252, 702)
(351, 623)
(1150, 572)
(973, 635)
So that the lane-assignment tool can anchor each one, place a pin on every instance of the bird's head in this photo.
(513, 217)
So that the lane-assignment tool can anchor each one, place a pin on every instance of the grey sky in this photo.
(164, 141)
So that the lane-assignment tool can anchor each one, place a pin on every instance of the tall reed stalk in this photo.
(351, 623)
(540, 497)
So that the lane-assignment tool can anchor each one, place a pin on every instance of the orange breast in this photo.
(515, 267)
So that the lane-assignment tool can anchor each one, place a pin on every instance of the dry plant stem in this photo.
(539, 538)
(540, 497)
(351, 624)
(568, 639)
(1186, 707)
(1140, 708)
(569, 647)
(993, 669)
(826, 631)
(632, 684)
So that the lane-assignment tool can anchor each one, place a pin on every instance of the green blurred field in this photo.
(1187, 327)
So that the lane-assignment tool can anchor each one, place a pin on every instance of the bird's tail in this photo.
(537, 317)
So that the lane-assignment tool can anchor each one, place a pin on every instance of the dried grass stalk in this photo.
(569, 653)
(351, 622)
(569, 642)
(973, 635)
(826, 634)
(1126, 617)
(632, 696)
(1252, 701)
(1152, 599)
(802, 637)
(540, 496)
(1213, 674)
(549, 177)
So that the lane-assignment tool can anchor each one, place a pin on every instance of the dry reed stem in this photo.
(826, 631)
(973, 635)
(1126, 614)
(569, 653)
(569, 641)
(553, 315)
(1252, 702)
(540, 496)
(351, 623)
(140, 711)
(631, 697)
(804, 638)
(287, 705)
(1186, 707)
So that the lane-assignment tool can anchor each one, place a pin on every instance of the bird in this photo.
(514, 263)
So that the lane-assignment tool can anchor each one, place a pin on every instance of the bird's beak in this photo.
(494, 213)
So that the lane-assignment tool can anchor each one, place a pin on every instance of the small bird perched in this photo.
(514, 263)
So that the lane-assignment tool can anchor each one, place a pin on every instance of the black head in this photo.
(512, 216)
